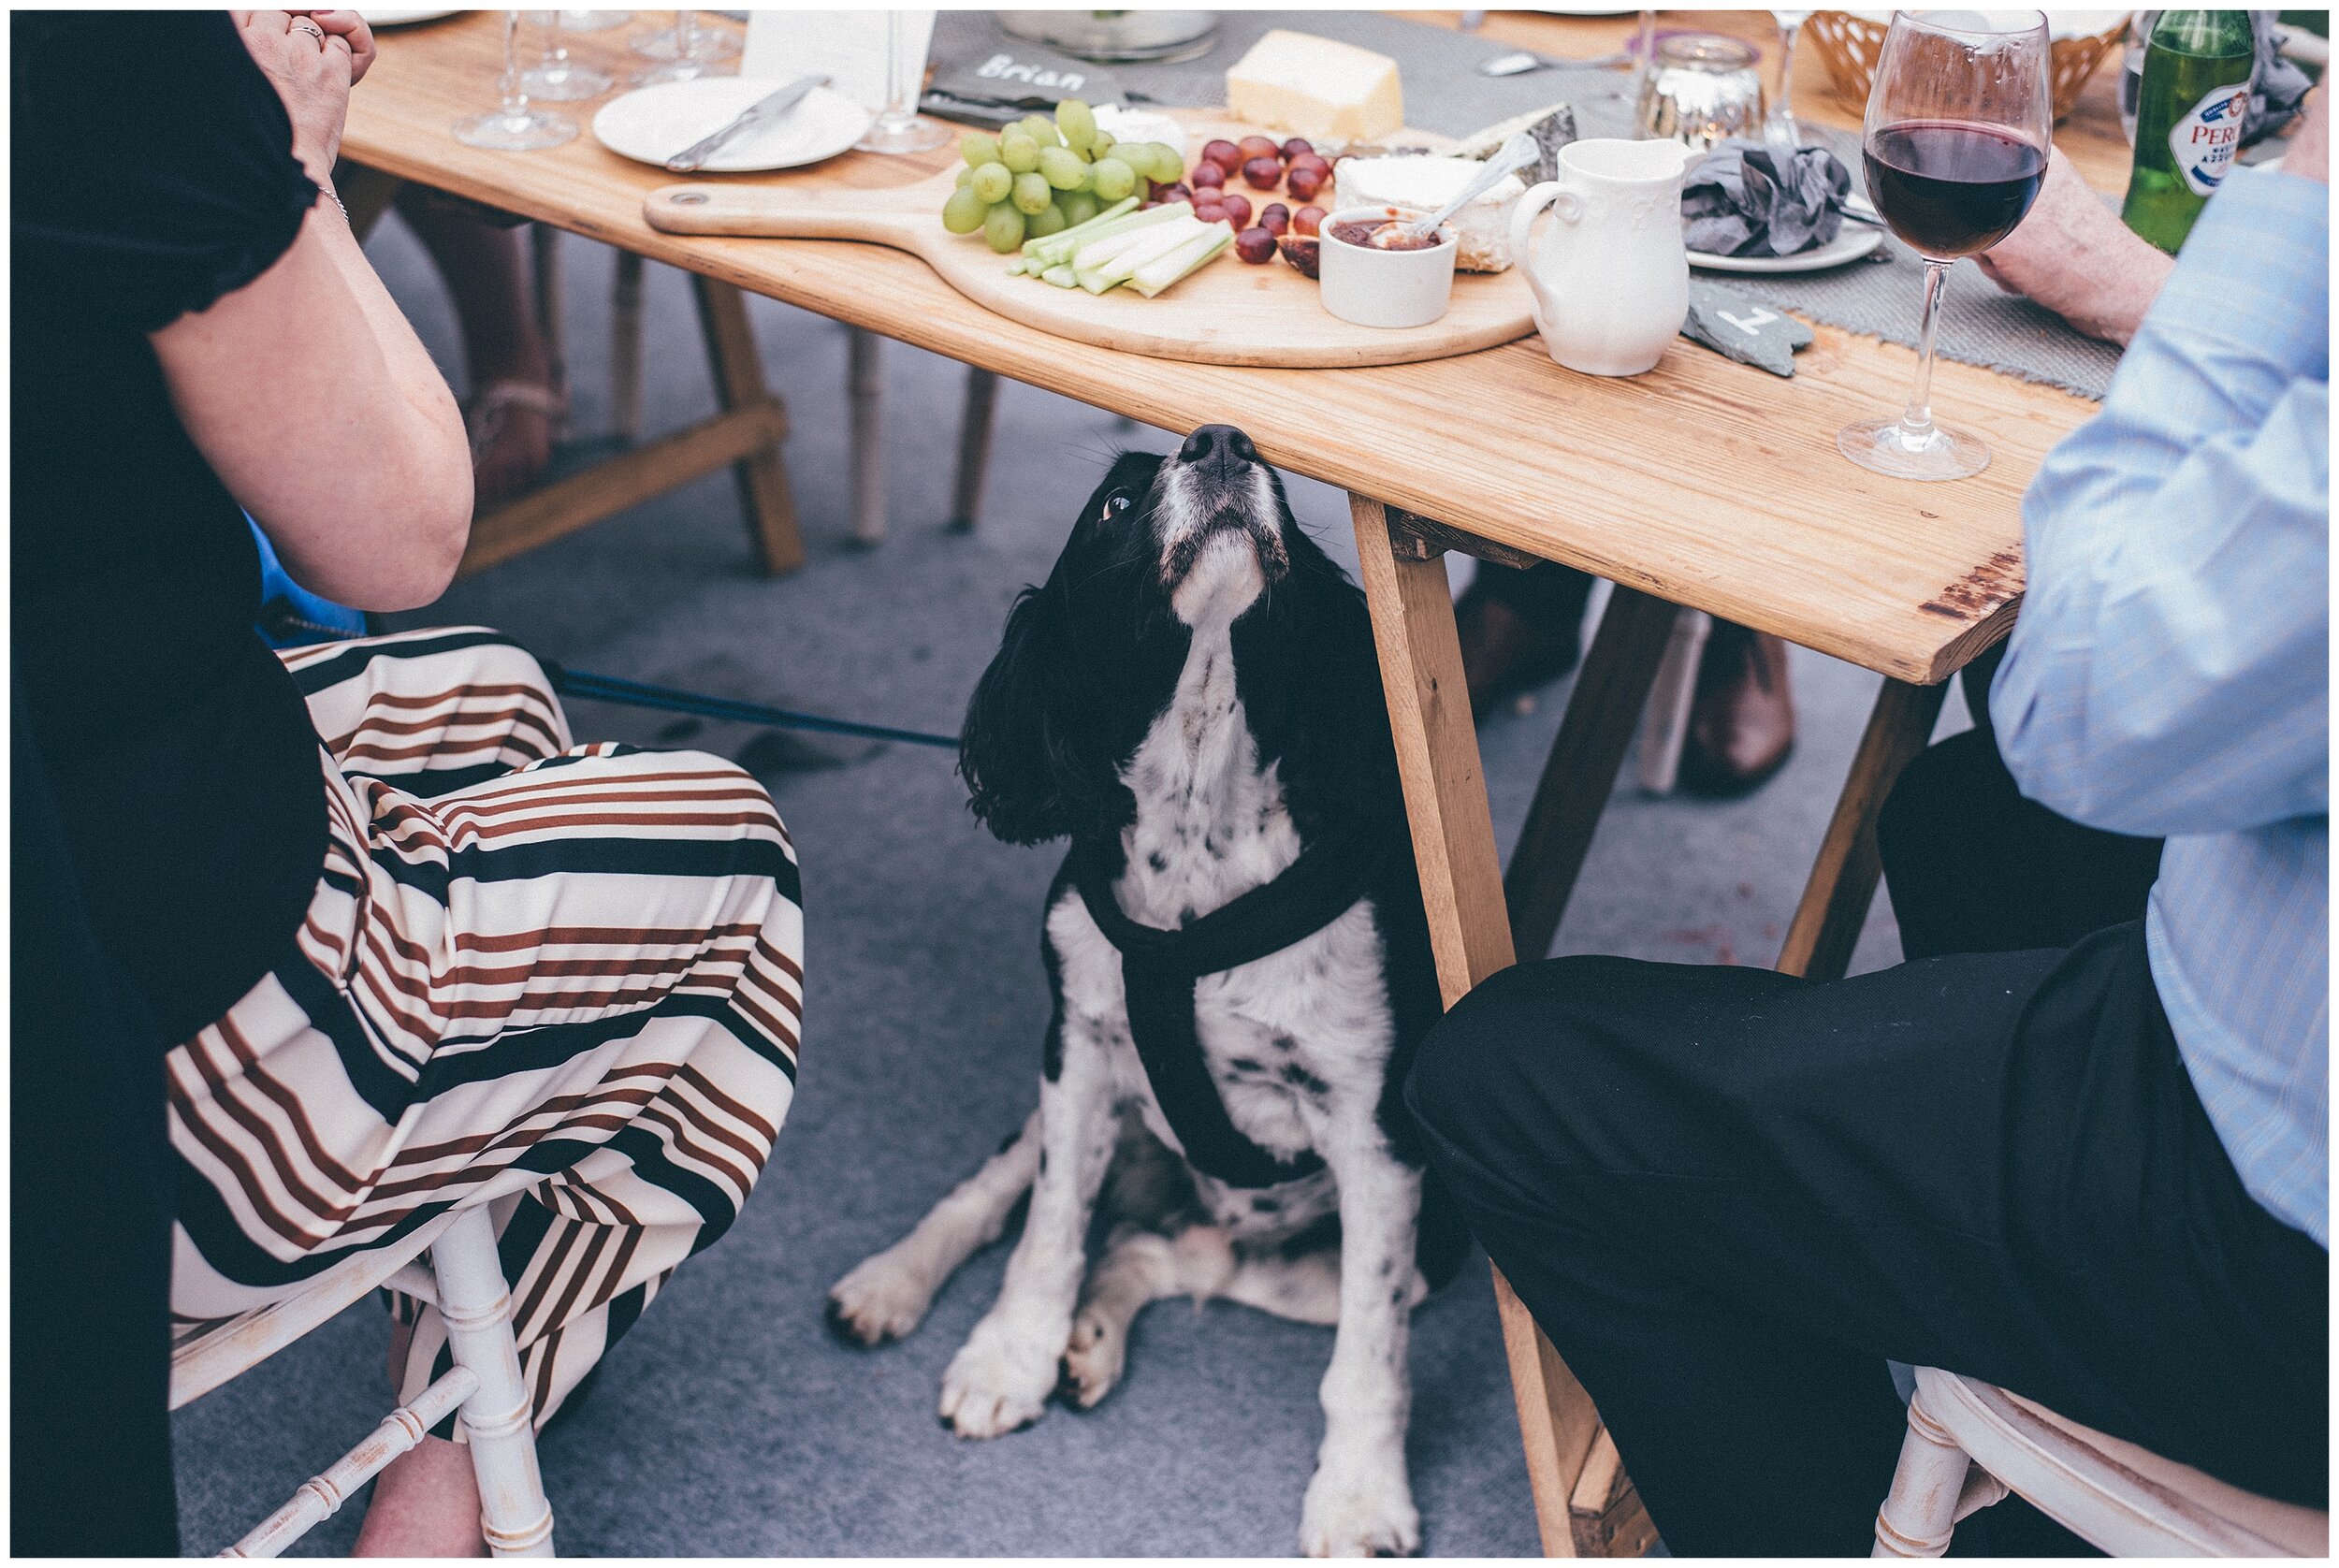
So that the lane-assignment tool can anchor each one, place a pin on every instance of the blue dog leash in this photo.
(297, 617)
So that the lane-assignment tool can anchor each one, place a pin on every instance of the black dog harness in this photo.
(1158, 969)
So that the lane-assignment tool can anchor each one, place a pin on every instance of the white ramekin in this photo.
(1383, 288)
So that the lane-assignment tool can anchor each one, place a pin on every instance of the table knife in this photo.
(761, 112)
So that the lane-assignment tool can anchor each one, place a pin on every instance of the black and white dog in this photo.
(1242, 973)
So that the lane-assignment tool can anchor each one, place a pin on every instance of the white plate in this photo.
(654, 124)
(399, 16)
(1852, 242)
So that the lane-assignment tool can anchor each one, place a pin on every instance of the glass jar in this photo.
(1703, 89)
(1108, 36)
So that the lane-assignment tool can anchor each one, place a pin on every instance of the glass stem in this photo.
(515, 99)
(556, 49)
(1648, 51)
(1787, 32)
(896, 115)
(1916, 420)
(686, 34)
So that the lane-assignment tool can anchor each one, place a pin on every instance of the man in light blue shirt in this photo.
(2091, 1167)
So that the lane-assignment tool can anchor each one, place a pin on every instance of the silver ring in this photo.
(304, 24)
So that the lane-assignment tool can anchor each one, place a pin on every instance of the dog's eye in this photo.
(1116, 503)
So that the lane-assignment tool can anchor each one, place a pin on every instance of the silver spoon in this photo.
(1520, 62)
(1516, 153)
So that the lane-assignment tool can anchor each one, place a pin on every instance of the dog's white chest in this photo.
(1284, 1036)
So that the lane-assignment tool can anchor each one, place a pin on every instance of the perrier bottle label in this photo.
(2189, 109)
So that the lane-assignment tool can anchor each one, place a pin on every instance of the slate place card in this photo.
(1745, 330)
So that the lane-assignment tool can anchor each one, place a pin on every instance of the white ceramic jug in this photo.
(1611, 280)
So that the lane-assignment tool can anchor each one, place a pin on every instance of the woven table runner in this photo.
(1444, 94)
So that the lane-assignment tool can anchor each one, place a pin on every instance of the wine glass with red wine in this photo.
(1955, 149)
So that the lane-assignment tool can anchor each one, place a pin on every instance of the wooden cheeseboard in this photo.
(1226, 313)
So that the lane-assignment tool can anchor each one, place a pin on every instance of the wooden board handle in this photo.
(747, 210)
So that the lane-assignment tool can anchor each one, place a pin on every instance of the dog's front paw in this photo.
(1359, 1509)
(881, 1299)
(1094, 1358)
(999, 1380)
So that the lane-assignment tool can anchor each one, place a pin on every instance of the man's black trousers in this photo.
(1729, 1197)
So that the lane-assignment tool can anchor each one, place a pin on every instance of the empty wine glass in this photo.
(513, 126)
(559, 78)
(1778, 126)
(1954, 149)
(691, 51)
(897, 127)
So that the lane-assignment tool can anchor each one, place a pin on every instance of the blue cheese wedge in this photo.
(1424, 181)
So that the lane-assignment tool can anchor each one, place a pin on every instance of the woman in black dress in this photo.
(399, 944)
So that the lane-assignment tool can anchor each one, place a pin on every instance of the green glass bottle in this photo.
(2189, 109)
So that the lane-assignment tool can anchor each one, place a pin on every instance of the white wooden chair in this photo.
(1969, 1443)
(465, 1282)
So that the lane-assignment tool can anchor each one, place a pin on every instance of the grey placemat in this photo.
(1981, 324)
(1445, 92)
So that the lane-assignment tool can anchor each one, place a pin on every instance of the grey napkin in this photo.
(1747, 199)
(2279, 89)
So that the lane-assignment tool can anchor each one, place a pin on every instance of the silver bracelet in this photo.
(332, 196)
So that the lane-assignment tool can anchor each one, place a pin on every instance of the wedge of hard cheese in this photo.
(1313, 87)
(1424, 182)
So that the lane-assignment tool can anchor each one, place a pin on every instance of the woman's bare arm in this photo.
(307, 389)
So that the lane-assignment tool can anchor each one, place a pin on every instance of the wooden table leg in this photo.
(625, 349)
(865, 378)
(1836, 900)
(763, 493)
(1597, 731)
(543, 266)
(1462, 887)
(979, 417)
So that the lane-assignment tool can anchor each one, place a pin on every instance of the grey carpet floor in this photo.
(727, 1422)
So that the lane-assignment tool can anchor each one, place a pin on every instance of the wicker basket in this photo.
(1850, 45)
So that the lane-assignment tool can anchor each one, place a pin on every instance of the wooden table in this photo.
(1703, 483)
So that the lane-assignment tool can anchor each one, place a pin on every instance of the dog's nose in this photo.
(1220, 444)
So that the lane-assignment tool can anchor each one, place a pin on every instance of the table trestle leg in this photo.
(1836, 900)
(1462, 887)
(763, 492)
(1602, 712)
(976, 424)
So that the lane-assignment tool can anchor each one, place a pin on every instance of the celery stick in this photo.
(1192, 256)
(1062, 277)
(1098, 253)
(1015, 268)
(1155, 244)
(1094, 281)
(1120, 227)
(1058, 248)
(1075, 237)
(1117, 219)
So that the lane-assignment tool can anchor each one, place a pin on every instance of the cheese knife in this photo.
(761, 112)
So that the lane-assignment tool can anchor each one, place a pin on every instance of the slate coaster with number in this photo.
(1747, 330)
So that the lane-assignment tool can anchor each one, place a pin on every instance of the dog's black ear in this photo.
(1012, 750)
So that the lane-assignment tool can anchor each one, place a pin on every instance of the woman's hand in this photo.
(351, 29)
(311, 66)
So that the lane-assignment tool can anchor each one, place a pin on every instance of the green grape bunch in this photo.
(1039, 176)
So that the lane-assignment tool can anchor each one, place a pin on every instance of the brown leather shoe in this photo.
(1742, 715)
(1505, 652)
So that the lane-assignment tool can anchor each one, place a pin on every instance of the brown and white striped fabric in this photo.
(562, 980)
